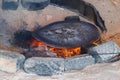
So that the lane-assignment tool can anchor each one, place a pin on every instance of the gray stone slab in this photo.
(105, 51)
(34, 4)
(78, 62)
(10, 4)
(44, 66)
(11, 61)
(36, 1)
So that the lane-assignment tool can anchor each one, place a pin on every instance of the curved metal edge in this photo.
(85, 9)
(43, 39)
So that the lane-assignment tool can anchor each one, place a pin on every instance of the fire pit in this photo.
(64, 45)
(60, 37)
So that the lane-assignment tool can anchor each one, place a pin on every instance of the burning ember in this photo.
(60, 52)
(36, 43)
(66, 52)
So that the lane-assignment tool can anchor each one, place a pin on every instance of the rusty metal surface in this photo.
(67, 34)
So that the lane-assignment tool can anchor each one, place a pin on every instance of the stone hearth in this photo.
(14, 65)
(106, 71)
(12, 62)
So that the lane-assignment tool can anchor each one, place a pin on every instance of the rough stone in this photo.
(78, 62)
(105, 51)
(11, 61)
(103, 71)
(44, 66)
(34, 4)
(10, 4)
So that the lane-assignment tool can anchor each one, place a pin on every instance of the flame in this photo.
(60, 52)
(36, 43)
(66, 52)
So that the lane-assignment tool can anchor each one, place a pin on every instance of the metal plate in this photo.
(67, 34)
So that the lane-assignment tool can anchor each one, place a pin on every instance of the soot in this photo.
(22, 38)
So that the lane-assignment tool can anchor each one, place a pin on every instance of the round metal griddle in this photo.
(67, 34)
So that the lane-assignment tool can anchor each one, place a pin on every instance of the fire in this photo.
(36, 43)
(66, 52)
(60, 52)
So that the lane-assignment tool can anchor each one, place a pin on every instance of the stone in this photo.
(105, 52)
(49, 17)
(78, 62)
(11, 61)
(34, 4)
(10, 4)
(103, 71)
(44, 66)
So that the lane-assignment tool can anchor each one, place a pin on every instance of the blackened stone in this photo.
(11, 61)
(78, 62)
(105, 51)
(10, 4)
(35, 4)
(44, 66)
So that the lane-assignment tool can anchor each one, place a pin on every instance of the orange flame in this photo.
(60, 52)
(36, 43)
(66, 52)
